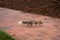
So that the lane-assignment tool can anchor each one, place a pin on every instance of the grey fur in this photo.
(31, 22)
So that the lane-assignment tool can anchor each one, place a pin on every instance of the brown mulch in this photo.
(44, 7)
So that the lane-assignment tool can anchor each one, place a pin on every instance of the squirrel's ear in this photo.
(40, 22)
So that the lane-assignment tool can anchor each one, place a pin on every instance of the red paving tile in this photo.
(49, 30)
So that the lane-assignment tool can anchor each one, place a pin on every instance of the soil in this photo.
(41, 7)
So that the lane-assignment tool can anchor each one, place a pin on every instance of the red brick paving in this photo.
(47, 31)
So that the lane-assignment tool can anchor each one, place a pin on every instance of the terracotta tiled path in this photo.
(49, 30)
